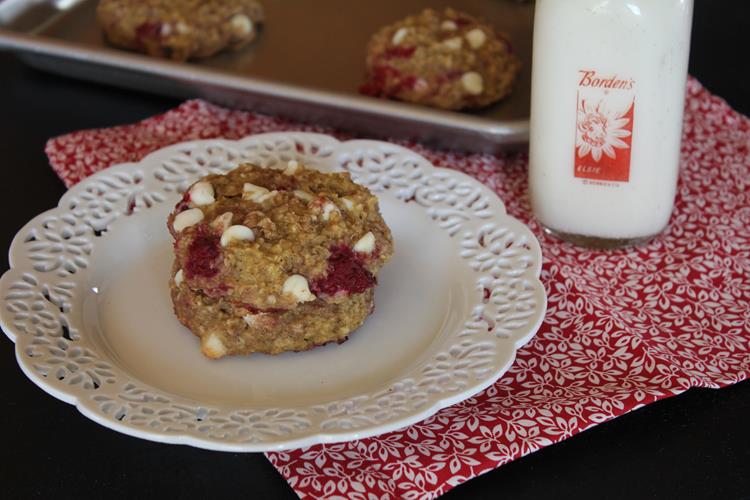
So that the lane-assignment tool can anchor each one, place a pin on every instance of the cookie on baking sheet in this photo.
(273, 260)
(448, 60)
(180, 29)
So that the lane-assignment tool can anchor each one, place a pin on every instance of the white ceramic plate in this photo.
(87, 304)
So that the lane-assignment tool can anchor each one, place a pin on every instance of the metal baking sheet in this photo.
(307, 64)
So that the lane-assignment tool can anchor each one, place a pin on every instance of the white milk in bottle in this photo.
(608, 87)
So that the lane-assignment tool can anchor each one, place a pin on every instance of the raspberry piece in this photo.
(346, 274)
(203, 255)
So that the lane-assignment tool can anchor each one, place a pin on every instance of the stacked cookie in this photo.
(275, 260)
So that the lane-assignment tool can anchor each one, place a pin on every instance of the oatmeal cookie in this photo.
(180, 29)
(271, 260)
(227, 328)
(447, 60)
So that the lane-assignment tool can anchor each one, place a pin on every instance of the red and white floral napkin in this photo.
(623, 328)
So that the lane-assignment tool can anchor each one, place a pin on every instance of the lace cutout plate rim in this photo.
(86, 302)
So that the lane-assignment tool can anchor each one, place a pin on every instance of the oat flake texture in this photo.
(623, 328)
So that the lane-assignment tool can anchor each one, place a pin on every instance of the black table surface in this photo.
(696, 445)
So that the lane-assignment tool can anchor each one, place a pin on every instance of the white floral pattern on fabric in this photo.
(623, 329)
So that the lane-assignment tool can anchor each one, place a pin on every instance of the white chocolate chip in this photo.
(399, 36)
(348, 203)
(271, 299)
(252, 192)
(260, 198)
(178, 278)
(223, 221)
(249, 187)
(241, 25)
(213, 347)
(202, 193)
(182, 28)
(366, 243)
(303, 195)
(292, 167)
(236, 233)
(296, 286)
(328, 209)
(448, 25)
(472, 82)
(189, 217)
(454, 43)
(166, 30)
(476, 38)
(250, 319)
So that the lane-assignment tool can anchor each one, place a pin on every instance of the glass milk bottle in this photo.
(608, 89)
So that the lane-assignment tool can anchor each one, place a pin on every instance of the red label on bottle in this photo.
(604, 127)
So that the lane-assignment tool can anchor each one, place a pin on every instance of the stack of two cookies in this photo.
(275, 260)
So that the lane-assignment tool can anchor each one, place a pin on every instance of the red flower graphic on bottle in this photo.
(604, 127)
(600, 130)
